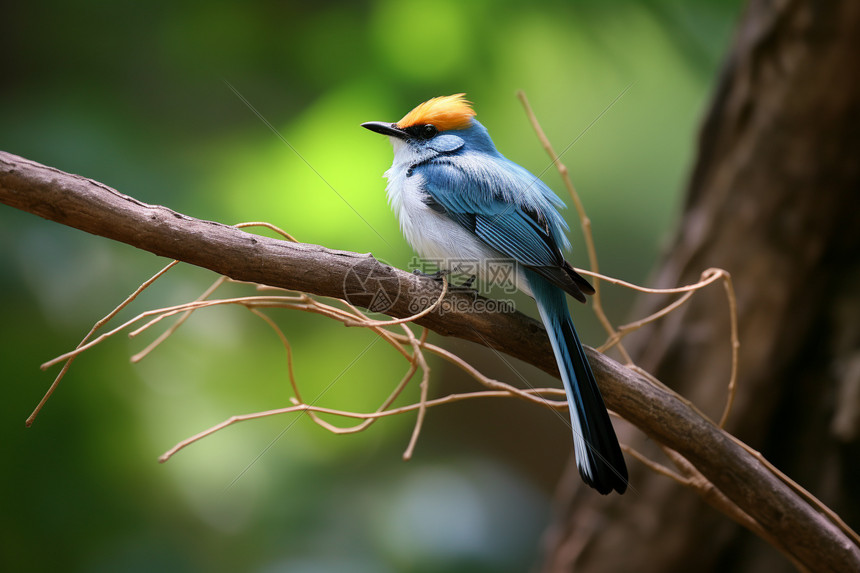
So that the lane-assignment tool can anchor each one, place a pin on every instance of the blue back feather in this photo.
(513, 211)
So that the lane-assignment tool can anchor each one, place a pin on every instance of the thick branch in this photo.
(90, 206)
(98, 209)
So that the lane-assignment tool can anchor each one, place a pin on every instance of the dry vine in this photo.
(395, 332)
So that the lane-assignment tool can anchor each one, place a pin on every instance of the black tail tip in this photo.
(607, 479)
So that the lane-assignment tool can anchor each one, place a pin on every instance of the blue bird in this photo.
(458, 199)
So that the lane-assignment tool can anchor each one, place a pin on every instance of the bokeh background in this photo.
(135, 95)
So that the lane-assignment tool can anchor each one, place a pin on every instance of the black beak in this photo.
(385, 128)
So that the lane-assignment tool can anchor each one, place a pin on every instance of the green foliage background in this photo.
(134, 95)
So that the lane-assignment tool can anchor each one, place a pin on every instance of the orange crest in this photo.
(446, 112)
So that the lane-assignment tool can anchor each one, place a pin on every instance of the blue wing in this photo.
(509, 209)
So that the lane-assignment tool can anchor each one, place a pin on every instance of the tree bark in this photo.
(773, 199)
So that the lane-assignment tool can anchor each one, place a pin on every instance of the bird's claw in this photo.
(469, 282)
(437, 276)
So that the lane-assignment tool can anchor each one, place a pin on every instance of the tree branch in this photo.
(799, 528)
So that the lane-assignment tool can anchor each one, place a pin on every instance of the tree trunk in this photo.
(773, 199)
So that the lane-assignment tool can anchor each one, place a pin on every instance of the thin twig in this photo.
(584, 220)
(175, 326)
(412, 318)
(322, 410)
(424, 386)
(107, 318)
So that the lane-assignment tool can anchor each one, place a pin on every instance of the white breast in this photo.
(435, 237)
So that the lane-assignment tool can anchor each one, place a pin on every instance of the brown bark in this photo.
(773, 199)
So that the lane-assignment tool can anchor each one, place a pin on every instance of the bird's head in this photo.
(442, 125)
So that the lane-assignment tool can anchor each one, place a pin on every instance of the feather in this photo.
(445, 113)
(598, 455)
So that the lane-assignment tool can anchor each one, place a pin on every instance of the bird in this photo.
(457, 198)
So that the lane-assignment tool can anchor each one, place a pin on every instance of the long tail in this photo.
(598, 454)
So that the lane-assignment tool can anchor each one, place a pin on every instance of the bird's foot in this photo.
(469, 282)
(465, 286)
(437, 276)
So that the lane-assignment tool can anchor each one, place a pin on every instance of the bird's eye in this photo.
(428, 131)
